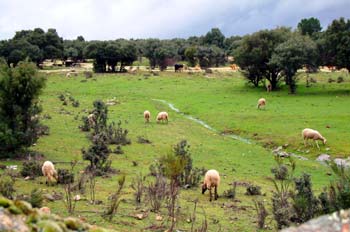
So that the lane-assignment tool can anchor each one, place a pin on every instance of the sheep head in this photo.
(204, 188)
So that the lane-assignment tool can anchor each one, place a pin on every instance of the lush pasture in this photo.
(224, 102)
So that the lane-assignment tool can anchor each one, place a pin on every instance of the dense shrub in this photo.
(36, 198)
(86, 125)
(340, 79)
(253, 190)
(117, 135)
(331, 80)
(31, 168)
(305, 204)
(190, 176)
(7, 188)
(231, 192)
(261, 213)
(337, 195)
(20, 88)
(65, 176)
(98, 154)
(281, 205)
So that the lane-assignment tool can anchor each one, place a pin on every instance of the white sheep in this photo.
(308, 133)
(49, 171)
(261, 102)
(68, 75)
(211, 179)
(162, 116)
(147, 115)
(92, 120)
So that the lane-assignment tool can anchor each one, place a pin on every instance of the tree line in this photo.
(263, 55)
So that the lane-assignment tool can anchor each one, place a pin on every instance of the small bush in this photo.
(190, 176)
(340, 79)
(261, 213)
(65, 176)
(156, 193)
(280, 172)
(7, 186)
(305, 204)
(43, 130)
(97, 154)
(36, 198)
(88, 74)
(142, 140)
(117, 135)
(86, 124)
(138, 186)
(114, 201)
(31, 168)
(330, 80)
(118, 150)
(61, 97)
(231, 193)
(253, 190)
(75, 103)
(312, 80)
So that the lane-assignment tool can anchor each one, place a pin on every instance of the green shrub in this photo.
(305, 204)
(253, 190)
(340, 79)
(31, 168)
(7, 186)
(18, 112)
(231, 192)
(36, 198)
(65, 176)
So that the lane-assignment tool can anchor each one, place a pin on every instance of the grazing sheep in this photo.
(147, 115)
(261, 102)
(211, 179)
(162, 116)
(49, 171)
(308, 133)
(92, 120)
(268, 88)
(68, 75)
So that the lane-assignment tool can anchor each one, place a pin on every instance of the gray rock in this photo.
(323, 158)
(338, 221)
(9, 222)
(342, 162)
(49, 197)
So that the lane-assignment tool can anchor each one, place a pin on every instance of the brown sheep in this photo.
(308, 133)
(162, 116)
(147, 115)
(49, 171)
(211, 179)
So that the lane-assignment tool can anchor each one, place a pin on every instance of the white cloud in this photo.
(108, 19)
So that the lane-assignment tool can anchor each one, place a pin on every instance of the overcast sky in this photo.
(112, 19)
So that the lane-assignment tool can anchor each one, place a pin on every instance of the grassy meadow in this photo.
(223, 101)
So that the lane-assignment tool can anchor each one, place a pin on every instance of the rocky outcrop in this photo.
(19, 216)
(338, 221)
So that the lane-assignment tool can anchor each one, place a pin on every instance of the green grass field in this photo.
(225, 103)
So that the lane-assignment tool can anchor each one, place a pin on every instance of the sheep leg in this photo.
(305, 140)
(317, 145)
(216, 192)
(210, 195)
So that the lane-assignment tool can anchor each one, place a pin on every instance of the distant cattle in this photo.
(178, 67)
